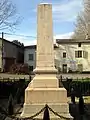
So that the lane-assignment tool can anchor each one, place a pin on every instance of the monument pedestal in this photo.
(37, 98)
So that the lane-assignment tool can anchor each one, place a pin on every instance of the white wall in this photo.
(70, 59)
(28, 51)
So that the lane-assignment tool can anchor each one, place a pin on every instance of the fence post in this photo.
(82, 79)
(46, 113)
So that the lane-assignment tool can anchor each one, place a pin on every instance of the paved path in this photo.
(13, 76)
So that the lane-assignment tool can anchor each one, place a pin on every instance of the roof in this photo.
(30, 46)
(71, 41)
(34, 46)
(11, 43)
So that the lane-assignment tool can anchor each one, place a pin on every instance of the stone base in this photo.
(32, 109)
(44, 81)
(37, 98)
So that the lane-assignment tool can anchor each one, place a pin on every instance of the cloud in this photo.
(67, 11)
(64, 36)
(28, 42)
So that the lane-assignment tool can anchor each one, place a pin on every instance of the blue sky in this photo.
(64, 17)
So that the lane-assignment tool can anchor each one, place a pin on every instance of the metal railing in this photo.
(14, 117)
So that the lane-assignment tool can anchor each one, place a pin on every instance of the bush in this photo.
(70, 70)
(86, 72)
(10, 105)
(19, 69)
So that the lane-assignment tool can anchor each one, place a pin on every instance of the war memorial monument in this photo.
(44, 88)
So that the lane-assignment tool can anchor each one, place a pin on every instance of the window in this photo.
(30, 68)
(30, 56)
(64, 54)
(79, 44)
(64, 68)
(78, 54)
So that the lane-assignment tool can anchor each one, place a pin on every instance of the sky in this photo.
(64, 17)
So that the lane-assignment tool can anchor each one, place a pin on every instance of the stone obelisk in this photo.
(44, 88)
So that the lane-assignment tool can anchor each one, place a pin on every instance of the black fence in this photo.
(10, 86)
(80, 86)
(45, 111)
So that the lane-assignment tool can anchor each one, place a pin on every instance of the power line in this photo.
(19, 35)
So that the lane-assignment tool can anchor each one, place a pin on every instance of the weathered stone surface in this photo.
(45, 51)
(44, 81)
(44, 88)
(45, 95)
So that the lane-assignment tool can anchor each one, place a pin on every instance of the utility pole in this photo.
(2, 35)
(2, 51)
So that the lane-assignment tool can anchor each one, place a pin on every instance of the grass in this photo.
(82, 79)
(86, 99)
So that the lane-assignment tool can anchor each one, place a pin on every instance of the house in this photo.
(70, 55)
(10, 53)
(73, 55)
(30, 56)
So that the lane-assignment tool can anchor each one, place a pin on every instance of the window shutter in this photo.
(86, 56)
(76, 54)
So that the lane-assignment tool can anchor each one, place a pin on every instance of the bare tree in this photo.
(7, 14)
(83, 22)
(18, 43)
(80, 28)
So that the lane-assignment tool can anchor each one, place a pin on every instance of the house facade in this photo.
(70, 55)
(73, 55)
(10, 53)
(30, 56)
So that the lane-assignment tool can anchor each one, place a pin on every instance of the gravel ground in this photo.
(13, 76)
(16, 76)
(74, 76)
